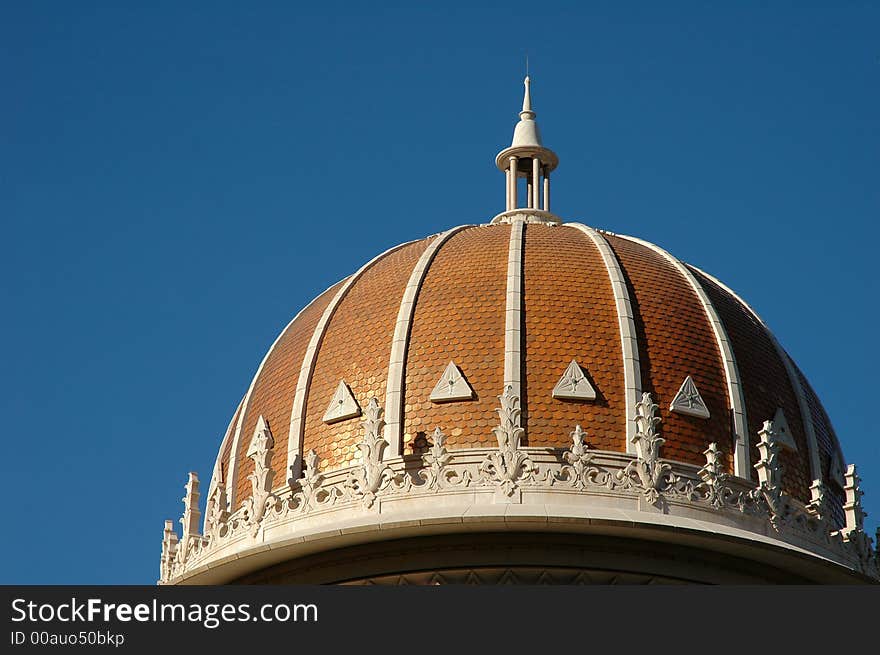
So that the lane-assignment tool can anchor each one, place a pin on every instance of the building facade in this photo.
(526, 401)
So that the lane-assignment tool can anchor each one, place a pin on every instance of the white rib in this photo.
(397, 360)
(632, 375)
(513, 310)
(741, 466)
(215, 474)
(806, 415)
(233, 453)
(297, 413)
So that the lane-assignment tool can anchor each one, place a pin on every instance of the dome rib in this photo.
(731, 371)
(298, 408)
(245, 405)
(632, 375)
(216, 473)
(400, 343)
(794, 380)
(513, 350)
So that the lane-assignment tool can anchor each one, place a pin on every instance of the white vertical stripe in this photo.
(513, 310)
(397, 360)
(741, 466)
(632, 376)
(297, 413)
(215, 474)
(806, 415)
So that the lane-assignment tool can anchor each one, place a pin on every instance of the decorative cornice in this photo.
(632, 376)
(728, 359)
(400, 342)
(479, 481)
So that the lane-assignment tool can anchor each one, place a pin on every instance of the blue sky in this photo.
(177, 181)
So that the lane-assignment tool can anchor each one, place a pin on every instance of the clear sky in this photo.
(177, 181)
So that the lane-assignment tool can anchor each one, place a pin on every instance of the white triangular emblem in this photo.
(689, 401)
(451, 386)
(783, 432)
(342, 406)
(574, 385)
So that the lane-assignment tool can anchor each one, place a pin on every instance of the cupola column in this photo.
(536, 183)
(546, 206)
(511, 184)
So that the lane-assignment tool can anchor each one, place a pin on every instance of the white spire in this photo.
(527, 100)
(526, 132)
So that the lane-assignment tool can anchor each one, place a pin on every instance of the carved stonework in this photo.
(260, 452)
(513, 473)
(574, 385)
(311, 480)
(190, 518)
(852, 508)
(169, 552)
(818, 500)
(578, 458)
(770, 474)
(647, 469)
(218, 514)
(372, 475)
(713, 477)
(451, 386)
(508, 466)
(689, 401)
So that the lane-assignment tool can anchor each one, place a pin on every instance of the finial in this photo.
(527, 112)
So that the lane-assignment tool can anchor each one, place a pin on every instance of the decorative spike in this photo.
(260, 452)
(852, 508)
(650, 472)
(768, 467)
(217, 511)
(713, 476)
(646, 440)
(770, 474)
(191, 514)
(169, 551)
(817, 506)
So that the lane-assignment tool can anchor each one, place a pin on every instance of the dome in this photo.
(523, 377)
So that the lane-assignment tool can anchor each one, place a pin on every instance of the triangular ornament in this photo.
(836, 470)
(689, 401)
(342, 406)
(451, 386)
(574, 385)
(783, 432)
